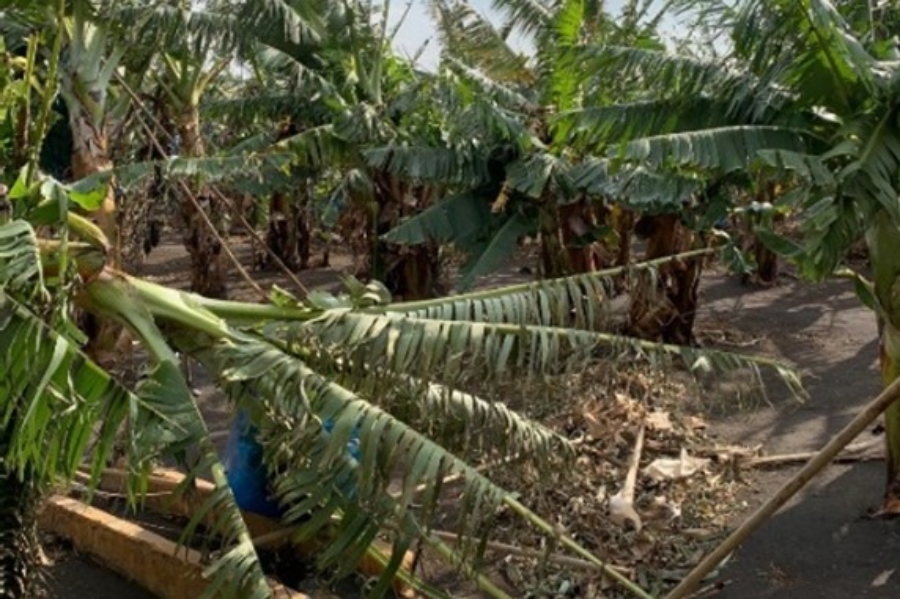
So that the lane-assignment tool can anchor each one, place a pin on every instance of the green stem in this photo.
(405, 577)
(883, 240)
(110, 297)
(50, 90)
(536, 285)
(208, 315)
(180, 307)
(247, 311)
(570, 543)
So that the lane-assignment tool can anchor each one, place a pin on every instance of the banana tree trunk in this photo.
(667, 311)
(623, 224)
(577, 221)
(90, 156)
(304, 232)
(883, 240)
(410, 272)
(281, 233)
(554, 257)
(19, 547)
(288, 234)
(208, 273)
(890, 371)
(766, 260)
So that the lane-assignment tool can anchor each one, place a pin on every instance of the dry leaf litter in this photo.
(686, 488)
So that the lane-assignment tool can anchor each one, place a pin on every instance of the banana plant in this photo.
(817, 107)
(356, 360)
(394, 374)
(87, 73)
(507, 112)
(507, 100)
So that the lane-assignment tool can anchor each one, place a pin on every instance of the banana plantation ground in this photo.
(821, 545)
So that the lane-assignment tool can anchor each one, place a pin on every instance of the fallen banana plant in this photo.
(354, 360)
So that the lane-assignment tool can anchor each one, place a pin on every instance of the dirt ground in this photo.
(821, 545)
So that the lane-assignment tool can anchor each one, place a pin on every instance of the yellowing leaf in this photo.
(499, 204)
(696, 423)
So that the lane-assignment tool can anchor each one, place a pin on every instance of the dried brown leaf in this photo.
(659, 421)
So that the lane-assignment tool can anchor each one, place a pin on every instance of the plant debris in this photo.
(656, 524)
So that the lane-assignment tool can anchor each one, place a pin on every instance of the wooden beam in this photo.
(161, 499)
(162, 567)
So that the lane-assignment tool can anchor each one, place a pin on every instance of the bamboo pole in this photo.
(872, 411)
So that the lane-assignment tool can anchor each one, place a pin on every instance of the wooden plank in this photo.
(154, 562)
(161, 498)
(164, 481)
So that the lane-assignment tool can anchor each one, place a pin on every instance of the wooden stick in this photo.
(851, 454)
(824, 457)
(247, 226)
(633, 465)
(195, 203)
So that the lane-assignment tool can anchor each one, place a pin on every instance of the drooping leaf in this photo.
(500, 246)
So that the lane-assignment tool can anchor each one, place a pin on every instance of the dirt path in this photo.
(820, 546)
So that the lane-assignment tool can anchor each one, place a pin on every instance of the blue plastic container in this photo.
(246, 472)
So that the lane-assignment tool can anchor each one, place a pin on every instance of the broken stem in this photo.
(850, 454)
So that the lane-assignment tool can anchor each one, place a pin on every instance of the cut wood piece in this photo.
(853, 453)
(162, 500)
(164, 568)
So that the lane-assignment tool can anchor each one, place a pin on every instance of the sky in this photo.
(418, 27)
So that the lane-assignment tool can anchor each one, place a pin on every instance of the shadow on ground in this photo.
(823, 330)
(821, 546)
(74, 576)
